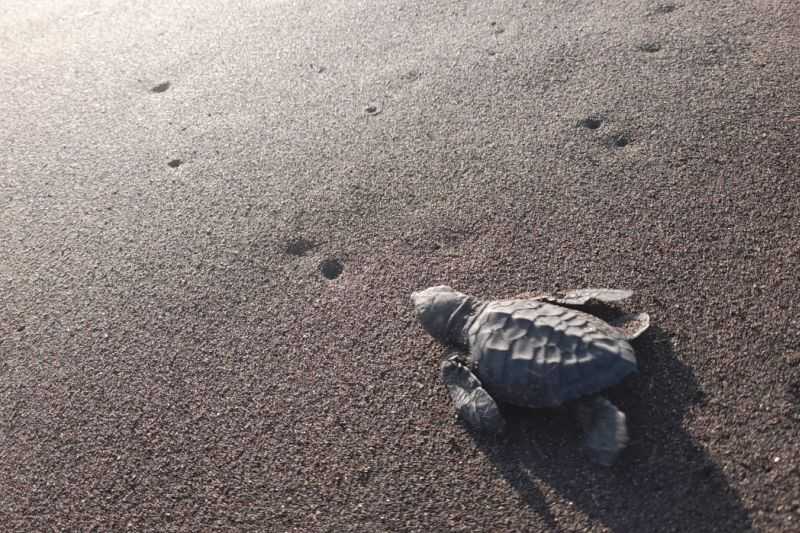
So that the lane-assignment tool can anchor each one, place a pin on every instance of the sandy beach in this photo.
(212, 216)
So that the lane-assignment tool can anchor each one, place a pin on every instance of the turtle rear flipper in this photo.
(632, 325)
(605, 428)
(473, 404)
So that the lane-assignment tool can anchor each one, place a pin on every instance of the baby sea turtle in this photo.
(535, 351)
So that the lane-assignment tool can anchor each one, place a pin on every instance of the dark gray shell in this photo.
(535, 354)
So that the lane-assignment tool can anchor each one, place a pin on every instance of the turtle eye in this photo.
(426, 313)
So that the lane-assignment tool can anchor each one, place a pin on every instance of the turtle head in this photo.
(436, 309)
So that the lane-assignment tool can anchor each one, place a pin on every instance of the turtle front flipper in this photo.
(586, 297)
(605, 428)
(473, 404)
(632, 325)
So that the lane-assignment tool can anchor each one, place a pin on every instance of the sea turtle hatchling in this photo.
(535, 351)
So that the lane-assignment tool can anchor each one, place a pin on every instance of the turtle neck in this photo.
(460, 320)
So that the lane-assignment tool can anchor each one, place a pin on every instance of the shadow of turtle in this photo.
(663, 481)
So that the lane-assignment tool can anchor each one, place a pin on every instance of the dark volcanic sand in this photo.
(171, 362)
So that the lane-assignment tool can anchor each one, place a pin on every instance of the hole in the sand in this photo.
(497, 29)
(411, 75)
(331, 268)
(650, 47)
(160, 88)
(175, 163)
(793, 390)
(591, 123)
(299, 246)
(663, 9)
(372, 110)
(620, 140)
